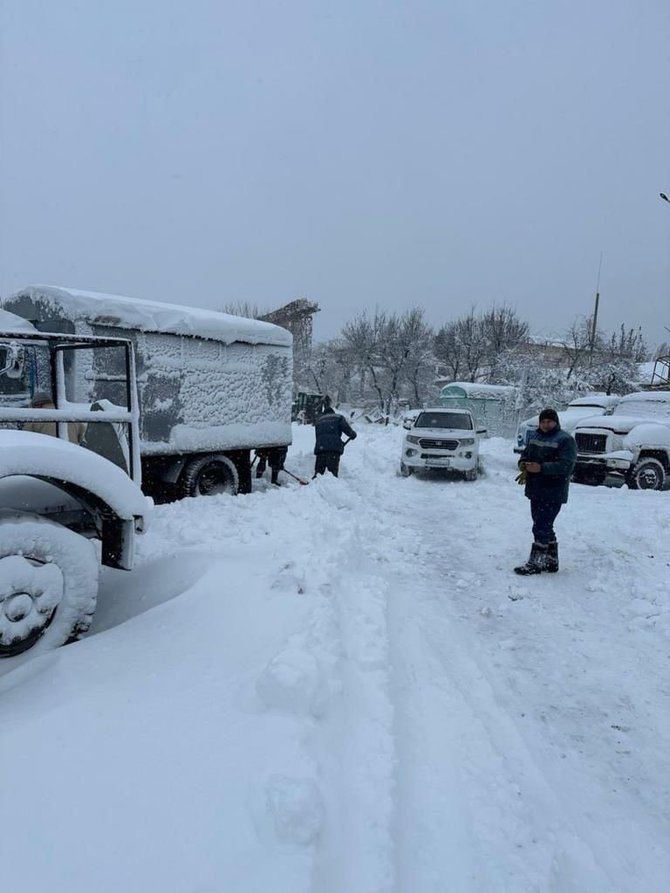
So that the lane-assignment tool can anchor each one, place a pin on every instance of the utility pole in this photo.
(594, 323)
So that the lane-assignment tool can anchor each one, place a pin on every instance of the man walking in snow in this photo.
(546, 466)
(329, 446)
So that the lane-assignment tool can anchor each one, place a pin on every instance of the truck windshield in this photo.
(457, 420)
(644, 408)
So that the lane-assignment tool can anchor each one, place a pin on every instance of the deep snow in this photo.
(342, 688)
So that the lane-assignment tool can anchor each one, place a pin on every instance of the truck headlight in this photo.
(469, 441)
(412, 439)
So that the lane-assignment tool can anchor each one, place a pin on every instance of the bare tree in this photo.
(448, 350)
(470, 332)
(391, 353)
(330, 370)
(578, 343)
(360, 337)
(243, 308)
(628, 344)
(460, 346)
(471, 346)
(503, 331)
(420, 364)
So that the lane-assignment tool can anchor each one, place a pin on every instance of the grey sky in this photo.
(448, 153)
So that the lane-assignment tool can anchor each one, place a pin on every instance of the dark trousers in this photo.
(275, 459)
(544, 514)
(329, 461)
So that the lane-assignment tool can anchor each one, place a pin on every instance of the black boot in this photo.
(537, 561)
(552, 558)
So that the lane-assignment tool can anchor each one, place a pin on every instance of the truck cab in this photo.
(630, 446)
(70, 479)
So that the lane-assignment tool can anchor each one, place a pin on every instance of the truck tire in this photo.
(48, 584)
(209, 475)
(405, 470)
(648, 474)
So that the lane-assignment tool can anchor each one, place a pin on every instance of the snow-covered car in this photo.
(631, 446)
(441, 438)
(577, 410)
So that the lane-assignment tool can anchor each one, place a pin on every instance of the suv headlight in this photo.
(469, 441)
(412, 439)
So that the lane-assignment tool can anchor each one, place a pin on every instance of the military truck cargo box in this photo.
(212, 387)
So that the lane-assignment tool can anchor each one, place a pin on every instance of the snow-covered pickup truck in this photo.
(631, 446)
(575, 412)
(62, 487)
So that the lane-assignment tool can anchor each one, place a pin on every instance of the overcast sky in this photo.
(360, 153)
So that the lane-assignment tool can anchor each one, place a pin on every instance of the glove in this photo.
(521, 477)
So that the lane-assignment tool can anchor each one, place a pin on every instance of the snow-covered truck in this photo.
(56, 496)
(212, 387)
(630, 446)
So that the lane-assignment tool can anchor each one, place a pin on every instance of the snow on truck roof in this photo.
(13, 324)
(154, 316)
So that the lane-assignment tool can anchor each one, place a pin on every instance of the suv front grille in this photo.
(427, 444)
(591, 443)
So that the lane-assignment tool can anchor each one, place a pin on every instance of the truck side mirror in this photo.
(12, 360)
(481, 430)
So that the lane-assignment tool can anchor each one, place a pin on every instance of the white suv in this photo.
(441, 438)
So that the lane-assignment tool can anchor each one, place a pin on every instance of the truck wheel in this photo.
(209, 475)
(471, 474)
(405, 470)
(48, 584)
(648, 474)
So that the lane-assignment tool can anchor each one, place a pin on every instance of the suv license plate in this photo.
(439, 460)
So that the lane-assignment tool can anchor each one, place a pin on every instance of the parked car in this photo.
(441, 438)
(630, 446)
(575, 412)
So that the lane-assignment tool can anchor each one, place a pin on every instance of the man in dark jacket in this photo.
(329, 427)
(546, 465)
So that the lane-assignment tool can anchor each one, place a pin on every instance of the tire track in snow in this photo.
(549, 845)
(348, 724)
(473, 809)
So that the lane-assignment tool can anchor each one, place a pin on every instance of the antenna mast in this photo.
(594, 324)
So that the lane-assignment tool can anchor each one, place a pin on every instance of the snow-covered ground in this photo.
(342, 688)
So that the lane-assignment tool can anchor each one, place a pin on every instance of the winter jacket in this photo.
(329, 427)
(75, 430)
(556, 452)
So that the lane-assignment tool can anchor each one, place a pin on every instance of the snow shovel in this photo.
(295, 477)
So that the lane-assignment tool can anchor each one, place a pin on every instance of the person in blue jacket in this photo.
(329, 428)
(546, 465)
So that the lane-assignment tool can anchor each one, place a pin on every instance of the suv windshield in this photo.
(444, 420)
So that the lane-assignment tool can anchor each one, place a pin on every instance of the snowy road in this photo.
(342, 688)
